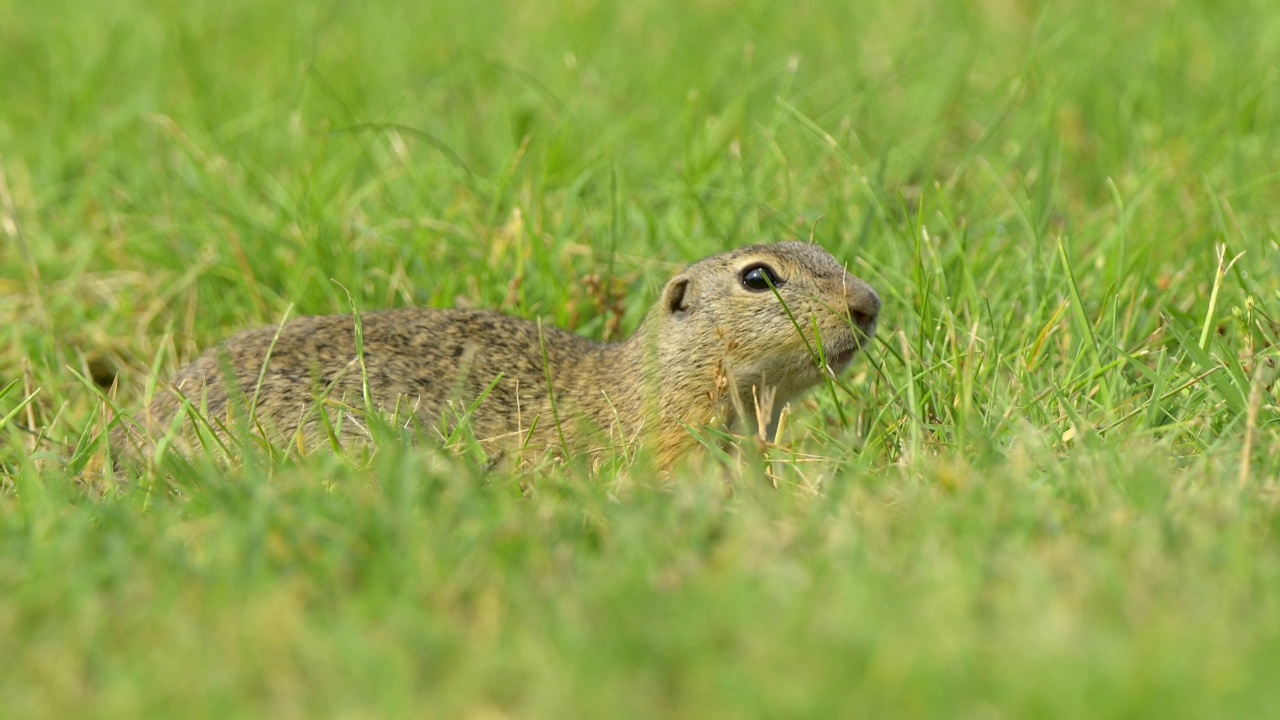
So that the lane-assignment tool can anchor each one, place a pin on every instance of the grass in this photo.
(1050, 490)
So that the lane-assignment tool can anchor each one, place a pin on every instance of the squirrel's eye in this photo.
(759, 278)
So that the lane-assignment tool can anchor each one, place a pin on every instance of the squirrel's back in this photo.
(761, 322)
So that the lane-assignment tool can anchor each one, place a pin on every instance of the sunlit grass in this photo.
(1050, 488)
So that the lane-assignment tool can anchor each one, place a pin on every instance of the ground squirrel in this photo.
(717, 339)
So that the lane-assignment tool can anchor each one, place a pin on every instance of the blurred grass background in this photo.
(1052, 493)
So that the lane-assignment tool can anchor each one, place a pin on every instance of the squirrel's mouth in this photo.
(841, 352)
(840, 360)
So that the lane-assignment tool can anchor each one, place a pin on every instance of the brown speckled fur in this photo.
(693, 362)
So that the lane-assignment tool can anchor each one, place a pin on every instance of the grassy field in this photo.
(1053, 489)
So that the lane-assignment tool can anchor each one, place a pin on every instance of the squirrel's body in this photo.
(714, 343)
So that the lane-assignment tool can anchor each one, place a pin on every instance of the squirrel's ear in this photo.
(676, 296)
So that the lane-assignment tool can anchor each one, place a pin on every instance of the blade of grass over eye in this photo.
(818, 355)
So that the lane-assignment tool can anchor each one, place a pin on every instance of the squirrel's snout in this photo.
(864, 306)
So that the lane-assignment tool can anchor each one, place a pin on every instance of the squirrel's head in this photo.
(771, 315)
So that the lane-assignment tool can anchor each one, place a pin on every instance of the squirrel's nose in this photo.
(864, 306)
